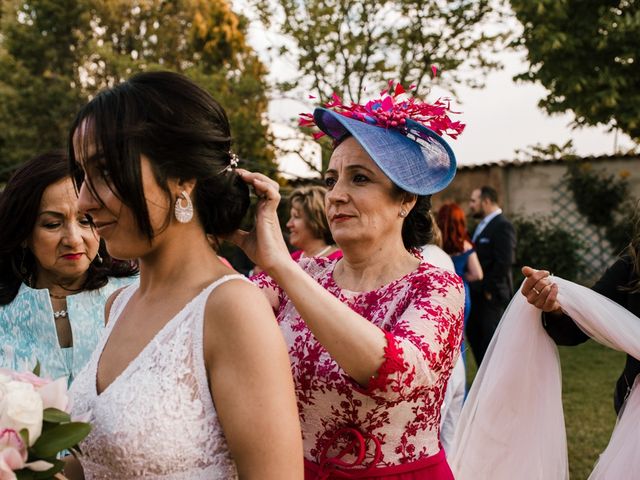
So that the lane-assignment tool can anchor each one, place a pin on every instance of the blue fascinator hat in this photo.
(402, 135)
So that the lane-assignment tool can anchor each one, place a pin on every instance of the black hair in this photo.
(417, 229)
(489, 193)
(183, 132)
(19, 206)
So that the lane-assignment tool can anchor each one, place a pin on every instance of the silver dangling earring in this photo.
(184, 214)
(98, 259)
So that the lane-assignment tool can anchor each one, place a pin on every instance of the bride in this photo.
(191, 379)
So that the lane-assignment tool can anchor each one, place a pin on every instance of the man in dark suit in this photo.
(495, 243)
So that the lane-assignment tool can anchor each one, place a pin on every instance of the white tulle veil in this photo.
(512, 424)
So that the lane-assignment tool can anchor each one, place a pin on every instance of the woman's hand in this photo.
(539, 290)
(264, 245)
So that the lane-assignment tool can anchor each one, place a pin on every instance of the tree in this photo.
(542, 242)
(585, 52)
(605, 200)
(55, 54)
(344, 46)
(349, 47)
(203, 39)
(38, 70)
(552, 151)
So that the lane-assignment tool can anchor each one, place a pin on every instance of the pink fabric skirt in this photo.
(434, 467)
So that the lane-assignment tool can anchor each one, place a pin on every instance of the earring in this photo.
(403, 213)
(184, 214)
(98, 259)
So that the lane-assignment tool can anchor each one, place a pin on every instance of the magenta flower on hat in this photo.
(392, 110)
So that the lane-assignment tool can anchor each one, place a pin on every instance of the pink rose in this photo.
(13, 453)
(32, 378)
(54, 394)
(21, 407)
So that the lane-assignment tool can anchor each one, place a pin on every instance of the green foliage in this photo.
(203, 39)
(59, 437)
(38, 45)
(59, 433)
(597, 195)
(36, 369)
(55, 54)
(344, 46)
(605, 201)
(551, 151)
(623, 226)
(53, 415)
(540, 242)
(243, 97)
(585, 53)
(354, 48)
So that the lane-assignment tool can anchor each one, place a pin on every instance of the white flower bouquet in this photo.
(35, 426)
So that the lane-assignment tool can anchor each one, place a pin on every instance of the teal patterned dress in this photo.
(28, 331)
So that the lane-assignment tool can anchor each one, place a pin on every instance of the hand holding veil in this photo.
(512, 424)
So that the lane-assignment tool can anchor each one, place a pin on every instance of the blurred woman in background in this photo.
(457, 243)
(308, 226)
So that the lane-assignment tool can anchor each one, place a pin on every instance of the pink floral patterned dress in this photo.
(390, 429)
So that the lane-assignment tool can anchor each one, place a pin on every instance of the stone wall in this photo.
(537, 188)
(528, 187)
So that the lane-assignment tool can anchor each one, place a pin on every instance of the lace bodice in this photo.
(157, 419)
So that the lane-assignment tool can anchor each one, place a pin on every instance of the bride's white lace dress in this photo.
(157, 419)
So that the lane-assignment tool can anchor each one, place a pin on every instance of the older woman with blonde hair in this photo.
(308, 226)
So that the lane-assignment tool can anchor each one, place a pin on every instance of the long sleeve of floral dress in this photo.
(394, 419)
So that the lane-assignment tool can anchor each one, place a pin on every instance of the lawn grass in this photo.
(589, 373)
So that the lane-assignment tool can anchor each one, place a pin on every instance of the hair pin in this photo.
(233, 162)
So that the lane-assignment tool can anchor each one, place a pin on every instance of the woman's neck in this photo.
(186, 264)
(363, 270)
(59, 286)
(315, 248)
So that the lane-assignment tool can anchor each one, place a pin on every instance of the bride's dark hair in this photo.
(183, 132)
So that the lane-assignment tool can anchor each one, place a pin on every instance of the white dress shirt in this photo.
(484, 222)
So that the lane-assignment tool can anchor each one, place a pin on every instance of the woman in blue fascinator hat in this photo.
(372, 337)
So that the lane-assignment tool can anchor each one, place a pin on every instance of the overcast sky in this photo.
(501, 118)
(504, 116)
